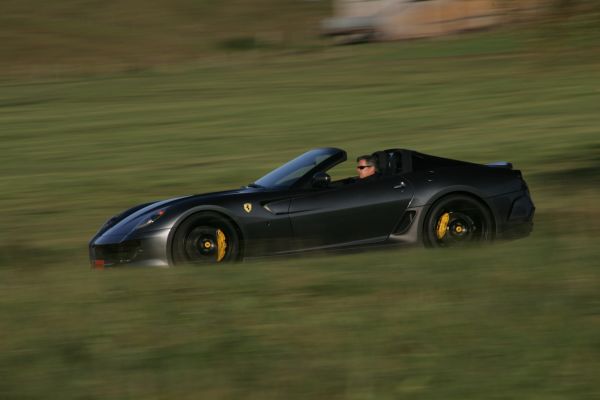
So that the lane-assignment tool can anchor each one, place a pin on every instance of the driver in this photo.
(366, 167)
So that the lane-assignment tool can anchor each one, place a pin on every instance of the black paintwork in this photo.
(386, 209)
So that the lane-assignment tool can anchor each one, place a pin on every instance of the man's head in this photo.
(365, 166)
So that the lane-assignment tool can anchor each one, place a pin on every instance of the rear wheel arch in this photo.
(456, 194)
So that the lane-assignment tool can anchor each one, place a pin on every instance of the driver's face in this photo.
(364, 169)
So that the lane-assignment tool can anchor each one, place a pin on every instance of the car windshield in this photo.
(292, 171)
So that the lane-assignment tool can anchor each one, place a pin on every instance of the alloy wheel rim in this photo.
(206, 244)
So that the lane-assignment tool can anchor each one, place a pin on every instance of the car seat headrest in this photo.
(381, 161)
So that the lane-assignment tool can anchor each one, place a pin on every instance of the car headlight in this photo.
(150, 218)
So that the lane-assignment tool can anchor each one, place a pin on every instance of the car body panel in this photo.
(293, 215)
(355, 212)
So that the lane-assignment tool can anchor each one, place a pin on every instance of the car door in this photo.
(359, 212)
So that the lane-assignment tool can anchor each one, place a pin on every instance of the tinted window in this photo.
(396, 163)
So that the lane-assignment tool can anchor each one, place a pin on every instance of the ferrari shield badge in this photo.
(247, 207)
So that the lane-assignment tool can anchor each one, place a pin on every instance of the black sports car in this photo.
(414, 198)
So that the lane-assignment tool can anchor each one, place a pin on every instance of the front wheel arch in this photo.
(195, 214)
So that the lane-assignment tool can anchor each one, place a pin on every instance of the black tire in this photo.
(458, 220)
(196, 241)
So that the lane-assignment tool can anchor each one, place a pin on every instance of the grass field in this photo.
(514, 320)
(89, 36)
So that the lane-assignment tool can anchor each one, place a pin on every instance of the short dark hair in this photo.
(368, 159)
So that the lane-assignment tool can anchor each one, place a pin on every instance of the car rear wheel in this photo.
(458, 220)
(206, 238)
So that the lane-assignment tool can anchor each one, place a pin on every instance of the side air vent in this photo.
(405, 222)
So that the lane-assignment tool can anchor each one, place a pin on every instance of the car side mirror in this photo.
(321, 180)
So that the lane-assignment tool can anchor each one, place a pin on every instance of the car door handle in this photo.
(401, 185)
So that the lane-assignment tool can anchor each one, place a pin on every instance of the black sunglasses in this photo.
(361, 167)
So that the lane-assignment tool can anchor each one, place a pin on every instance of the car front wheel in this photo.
(205, 238)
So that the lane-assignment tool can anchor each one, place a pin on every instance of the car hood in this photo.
(124, 224)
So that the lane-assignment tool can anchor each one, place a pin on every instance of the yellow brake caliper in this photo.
(442, 225)
(221, 245)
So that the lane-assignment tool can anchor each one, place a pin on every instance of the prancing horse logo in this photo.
(248, 207)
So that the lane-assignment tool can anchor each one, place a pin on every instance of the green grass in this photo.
(77, 150)
(513, 320)
(37, 37)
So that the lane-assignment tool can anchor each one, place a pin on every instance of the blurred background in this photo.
(108, 104)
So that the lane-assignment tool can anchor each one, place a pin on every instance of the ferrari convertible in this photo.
(414, 198)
